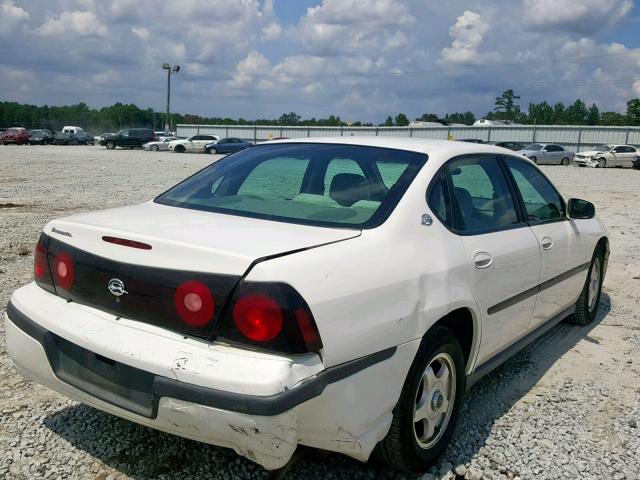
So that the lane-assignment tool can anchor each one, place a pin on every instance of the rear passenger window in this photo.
(541, 201)
(390, 171)
(481, 197)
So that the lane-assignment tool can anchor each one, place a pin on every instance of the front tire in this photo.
(602, 163)
(154, 148)
(429, 404)
(589, 300)
(179, 149)
(213, 151)
(110, 144)
(533, 159)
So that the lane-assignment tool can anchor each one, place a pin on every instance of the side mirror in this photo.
(581, 209)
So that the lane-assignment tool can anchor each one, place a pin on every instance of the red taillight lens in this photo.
(63, 270)
(308, 330)
(258, 317)
(194, 303)
(40, 261)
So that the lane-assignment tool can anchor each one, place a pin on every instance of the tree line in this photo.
(119, 115)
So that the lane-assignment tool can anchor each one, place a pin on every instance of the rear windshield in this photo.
(345, 186)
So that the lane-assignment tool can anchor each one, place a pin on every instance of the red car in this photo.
(17, 135)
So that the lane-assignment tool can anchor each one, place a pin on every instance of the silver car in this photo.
(160, 145)
(608, 156)
(547, 154)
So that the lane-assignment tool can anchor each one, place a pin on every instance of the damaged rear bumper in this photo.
(314, 406)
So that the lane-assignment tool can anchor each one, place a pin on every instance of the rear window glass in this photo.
(344, 186)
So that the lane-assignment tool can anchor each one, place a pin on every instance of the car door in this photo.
(562, 266)
(502, 252)
(553, 154)
(625, 156)
(222, 146)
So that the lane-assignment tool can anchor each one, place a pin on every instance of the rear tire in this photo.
(110, 144)
(566, 161)
(589, 300)
(428, 397)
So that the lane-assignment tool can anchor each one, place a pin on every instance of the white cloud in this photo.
(339, 26)
(82, 24)
(581, 16)
(271, 31)
(468, 36)
(11, 16)
(141, 32)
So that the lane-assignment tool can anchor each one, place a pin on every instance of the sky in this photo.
(359, 59)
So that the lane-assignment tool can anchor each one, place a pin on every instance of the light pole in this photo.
(170, 70)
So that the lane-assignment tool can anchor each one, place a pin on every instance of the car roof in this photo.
(431, 147)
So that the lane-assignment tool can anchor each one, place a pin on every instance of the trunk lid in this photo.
(186, 246)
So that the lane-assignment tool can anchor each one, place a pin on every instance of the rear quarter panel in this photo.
(382, 289)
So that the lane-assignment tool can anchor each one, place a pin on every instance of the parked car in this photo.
(195, 143)
(515, 146)
(636, 163)
(72, 130)
(547, 154)
(40, 137)
(82, 138)
(17, 135)
(99, 139)
(607, 156)
(129, 138)
(159, 145)
(227, 145)
(60, 138)
(303, 291)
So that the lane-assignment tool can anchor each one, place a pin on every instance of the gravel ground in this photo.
(566, 407)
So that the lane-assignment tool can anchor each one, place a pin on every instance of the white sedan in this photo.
(607, 156)
(335, 293)
(195, 143)
(160, 145)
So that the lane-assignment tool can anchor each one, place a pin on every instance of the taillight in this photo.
(258, 317)
(63, 270)
(40, 266)
(270, 316)
(194, 303)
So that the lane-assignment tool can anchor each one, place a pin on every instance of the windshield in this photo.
(534, 146)
(603, 148)
(344, 186)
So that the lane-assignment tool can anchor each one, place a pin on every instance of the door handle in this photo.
(547, 243)
(482, 260)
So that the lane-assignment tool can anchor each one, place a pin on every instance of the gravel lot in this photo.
(567, 407)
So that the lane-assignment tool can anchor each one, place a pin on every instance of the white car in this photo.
(607, 156)
(195, 143)
(339, 293)
(160, 145)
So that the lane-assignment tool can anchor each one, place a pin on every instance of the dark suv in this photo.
(129, 138)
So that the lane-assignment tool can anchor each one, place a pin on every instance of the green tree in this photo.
(289, 119)
(506, 106)
(633, 111)
(388, 122)
(576, 113)
(613, 119)
(593, 116)
(402, 120)
(468, 118)
(428, 117)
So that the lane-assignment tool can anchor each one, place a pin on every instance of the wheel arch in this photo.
(466, 327)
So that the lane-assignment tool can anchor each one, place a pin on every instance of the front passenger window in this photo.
(541, 200)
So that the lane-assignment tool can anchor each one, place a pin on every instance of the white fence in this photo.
(572, 137)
